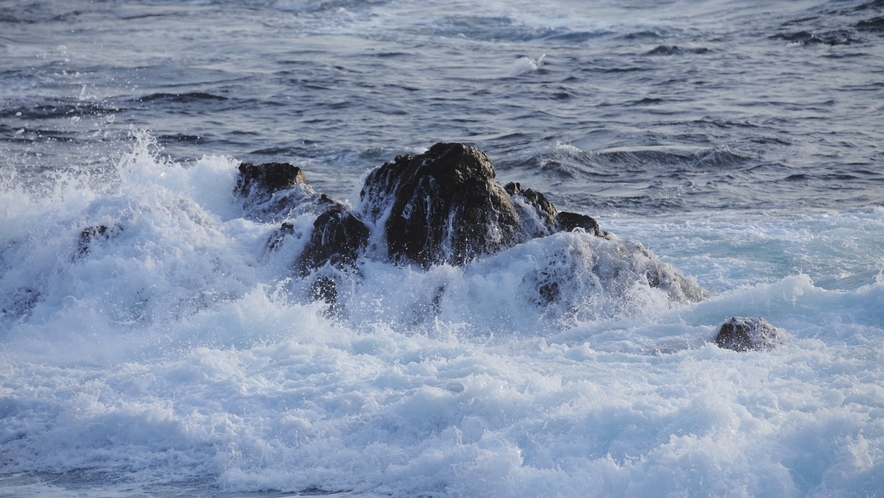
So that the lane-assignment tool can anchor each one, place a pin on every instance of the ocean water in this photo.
(741, 142)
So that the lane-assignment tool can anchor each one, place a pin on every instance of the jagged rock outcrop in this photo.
(277, 191)
(748, 334)
(543, 209)
(442, 207)
(261, 181)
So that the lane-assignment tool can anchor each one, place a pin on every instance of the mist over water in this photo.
(173, 354)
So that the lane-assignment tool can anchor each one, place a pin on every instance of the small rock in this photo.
(337, 238)
(748, 334)
(92, 235)
(279, 235)
(265, 179)
(545, 209)
(569, 221)
(274, 191)
(324, 289)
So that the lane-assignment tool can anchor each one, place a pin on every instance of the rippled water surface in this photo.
(616, 106)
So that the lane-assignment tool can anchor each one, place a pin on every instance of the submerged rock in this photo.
(324, 289)
(748, 334)
(593, 277)
(279, 235)
(94, 235)
(19, 303)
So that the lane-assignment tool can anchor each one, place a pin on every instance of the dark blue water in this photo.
(635, 108)
(741, 142)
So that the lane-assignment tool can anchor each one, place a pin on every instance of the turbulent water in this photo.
(174, 355)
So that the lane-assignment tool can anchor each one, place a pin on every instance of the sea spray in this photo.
(172, 352)
(180, 350)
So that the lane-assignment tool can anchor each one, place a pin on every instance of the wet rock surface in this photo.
(337, 238)
(441, 207)
(276, 191)
(567, 222)
(263, 180)
(444, 206)
(545, 210)
(748, 334)
(279, 235)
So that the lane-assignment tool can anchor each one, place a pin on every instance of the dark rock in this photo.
(567, 222)
(92, 235)
(279, 191)
(324, 289)
(19, 303)
(549, 292)
(280, 234)
(664, 50)
(545, 210)
(267, 178)
(748, 334)
(444, 206)
(802, 37)
(552, 219)
(337, 239)
(274, 191)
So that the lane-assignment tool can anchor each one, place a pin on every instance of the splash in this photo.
(179, 349)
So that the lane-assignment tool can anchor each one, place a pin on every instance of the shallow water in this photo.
(738, 141)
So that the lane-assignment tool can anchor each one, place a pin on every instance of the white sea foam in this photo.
(180, 351)
(526, 65)
(171, 353)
